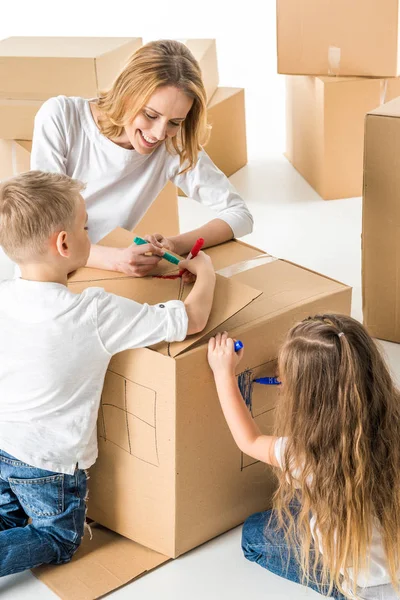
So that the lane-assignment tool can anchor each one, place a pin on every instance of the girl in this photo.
(125, 145)
(335, 526)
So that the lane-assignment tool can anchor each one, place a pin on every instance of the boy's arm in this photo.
(251, 441)
(199, 302)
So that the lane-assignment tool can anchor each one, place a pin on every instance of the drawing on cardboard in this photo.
(127, 417)
(261, 400)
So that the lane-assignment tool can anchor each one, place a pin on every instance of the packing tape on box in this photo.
(14, 160)
(334, 56)
(246, 265)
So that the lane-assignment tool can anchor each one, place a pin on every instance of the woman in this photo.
(147, 129)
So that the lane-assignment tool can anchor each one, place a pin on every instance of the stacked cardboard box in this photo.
(343, 60)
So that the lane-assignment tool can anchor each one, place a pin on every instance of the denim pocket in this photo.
(40, 497)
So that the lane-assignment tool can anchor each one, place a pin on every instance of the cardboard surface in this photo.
(17, 118)
(163, 441)
(381, 223)
(101, 564)
(38, 68)
(325, 129)
(320, 37)
(227, 146)
(229, 297)
(205, 52)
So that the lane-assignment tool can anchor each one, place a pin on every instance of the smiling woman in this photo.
(148, 128)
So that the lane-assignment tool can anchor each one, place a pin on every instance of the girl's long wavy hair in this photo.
(158, 64)
(341, 414)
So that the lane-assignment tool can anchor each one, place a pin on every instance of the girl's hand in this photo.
(158, 240)
(222, 357)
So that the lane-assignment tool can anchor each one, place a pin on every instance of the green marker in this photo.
(169, 257)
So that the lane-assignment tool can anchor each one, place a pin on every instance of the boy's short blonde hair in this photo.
(33, 206)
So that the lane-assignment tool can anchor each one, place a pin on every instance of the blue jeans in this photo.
(264, 543)
(54, 502)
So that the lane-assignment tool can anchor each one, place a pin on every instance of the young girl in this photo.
(148, 128)
(335, 526)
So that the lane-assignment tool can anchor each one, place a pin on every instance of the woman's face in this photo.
(159, 119)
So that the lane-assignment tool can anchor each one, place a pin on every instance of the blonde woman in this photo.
(125, 145)
(335, 526)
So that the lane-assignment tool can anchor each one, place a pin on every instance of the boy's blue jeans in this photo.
(264, 543)
(55, 502)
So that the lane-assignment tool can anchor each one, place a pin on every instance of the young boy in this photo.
(55, 347)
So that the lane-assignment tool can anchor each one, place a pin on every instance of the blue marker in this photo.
(268, 381)
(238, 345)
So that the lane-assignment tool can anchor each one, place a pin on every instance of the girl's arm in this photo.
(223, 359)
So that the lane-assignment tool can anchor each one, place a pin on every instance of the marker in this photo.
(268, 381)
(169, 257)
(238, 345)
(193, 253)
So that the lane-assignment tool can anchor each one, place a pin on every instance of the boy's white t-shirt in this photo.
(377, 576)
(55, 347)
(121, 184)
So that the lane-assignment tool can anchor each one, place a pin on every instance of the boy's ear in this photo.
(62, 244)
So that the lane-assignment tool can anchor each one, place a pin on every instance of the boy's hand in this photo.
(222, 357)
(200, 264)
(136, 261)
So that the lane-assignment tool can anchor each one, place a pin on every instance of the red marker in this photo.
(194, 252)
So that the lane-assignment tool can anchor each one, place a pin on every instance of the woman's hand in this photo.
(222, 357)
(137, 261)
(159, 241)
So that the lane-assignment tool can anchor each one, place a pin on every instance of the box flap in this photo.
(102, 564)
(390, 109)
(230, 296)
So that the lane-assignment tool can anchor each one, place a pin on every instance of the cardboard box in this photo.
(17, 118)
(38, 68)
(166, 455)
(381, 223)
(325, 129)
(205, 52)
(321, 37)
(227, 145)
(161, 217)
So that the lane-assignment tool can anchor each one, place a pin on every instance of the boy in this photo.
(55, 347)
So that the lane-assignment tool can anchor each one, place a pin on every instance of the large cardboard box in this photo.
(227, 145)
(17, 118)
(321, 37)
(196, 483)
(325, 129)
(381, 223)
(38, 68)
(205, 52)
(161, 217)
(166, 456)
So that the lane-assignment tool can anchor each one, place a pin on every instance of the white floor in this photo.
(291, 221)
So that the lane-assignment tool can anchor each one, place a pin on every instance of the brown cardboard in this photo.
(164, 447)
(161, 217)
(205, 52)
(321, 37)
(38, 68)
(17, 118)
(227, 145)
(381, 223)
(103, 563)
(325, 129)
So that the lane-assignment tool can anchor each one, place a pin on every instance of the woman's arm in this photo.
(206, 184)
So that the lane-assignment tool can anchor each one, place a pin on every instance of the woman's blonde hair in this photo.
(155, 65)
(33, 206)
(341, 416)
